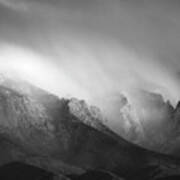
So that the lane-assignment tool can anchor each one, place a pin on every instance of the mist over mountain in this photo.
(90, 89)
(147, 120)
(70, 138)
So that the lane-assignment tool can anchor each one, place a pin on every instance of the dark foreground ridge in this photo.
(68, 138)
(21, 171)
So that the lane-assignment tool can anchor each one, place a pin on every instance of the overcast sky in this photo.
(93, 48)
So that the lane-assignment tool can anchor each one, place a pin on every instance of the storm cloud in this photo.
(93, 48)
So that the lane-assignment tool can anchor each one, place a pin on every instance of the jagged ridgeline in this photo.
(68, 137)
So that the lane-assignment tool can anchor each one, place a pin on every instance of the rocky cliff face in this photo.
(66, 136)
(173, 140)
(69, 134)
(123, 118)
(156, 117)
(147, 120)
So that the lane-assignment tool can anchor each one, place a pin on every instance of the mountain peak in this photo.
(64, 135)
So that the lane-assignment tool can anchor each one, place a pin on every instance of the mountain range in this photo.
(70, 138)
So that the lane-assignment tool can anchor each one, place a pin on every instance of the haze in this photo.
(93, 49)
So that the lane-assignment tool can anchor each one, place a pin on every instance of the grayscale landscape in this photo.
(89, 90)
